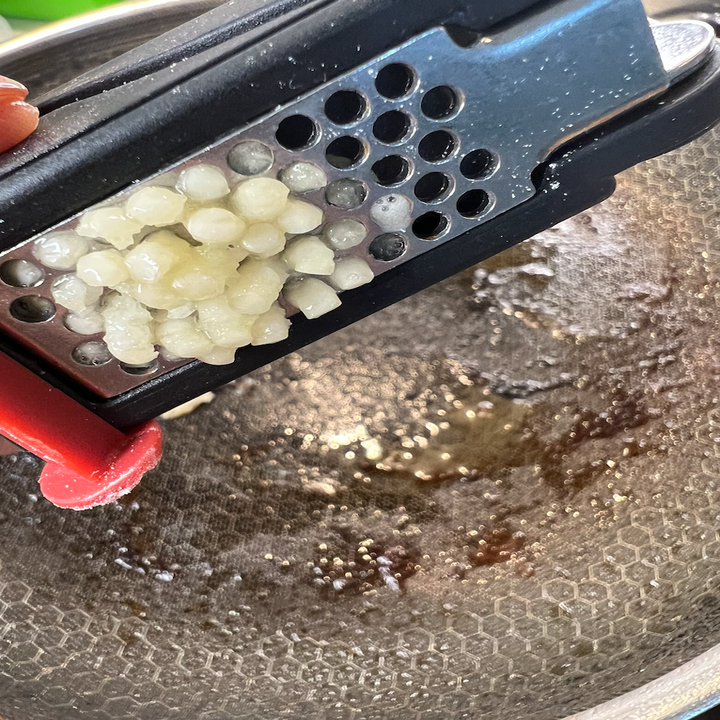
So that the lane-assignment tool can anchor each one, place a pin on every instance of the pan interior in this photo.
(498, 498)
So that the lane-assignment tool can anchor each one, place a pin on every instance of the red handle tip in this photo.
(68, 489)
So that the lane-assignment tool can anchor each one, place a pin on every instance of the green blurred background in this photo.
(48, 9)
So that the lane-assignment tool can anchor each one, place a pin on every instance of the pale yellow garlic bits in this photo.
(183, 338)
(74, 294)
(203, 183)
(310, 255)
(263, 240)
(128, 332)
(300, 217)
(223, 324)
(260, 199)
(110, 225)
(256, 286)
(156, 206)
(199, 270)
(216, 226)
(270, 327)
(350, 273)
(104, 268)
(61, 250)
(312, 297)
(345, 234)
(218, 356)
(88, 322)
(152, 259)
(199, 279)
(302, 177)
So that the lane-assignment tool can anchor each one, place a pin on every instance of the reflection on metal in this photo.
(683, 45)
(458, 103)
(680, 695)
(45, 58)
(194, 597)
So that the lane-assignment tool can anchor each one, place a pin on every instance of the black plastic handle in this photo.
(578, 177)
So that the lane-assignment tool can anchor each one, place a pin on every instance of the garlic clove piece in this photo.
(121, 310)
(302, 177)
(263, 240)
(255, 287)
(271, 327)
(215, 225)
(131, 344)
(60, 250)
(223, 324)
(109, 224)
(312, 297)
(104, 268)
(350, 273)
(151, 260)
(155, 206)
(260, 199)
(199, 279)
(74, 294)
(300, 217)
(203, 183)
(345, 233)
(183, 338)
(218, 356)
(88, 322)
(310, 255)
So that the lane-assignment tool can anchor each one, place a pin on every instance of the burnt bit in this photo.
(493, 546)
(624, 411)
(358, 568)
(512, 389)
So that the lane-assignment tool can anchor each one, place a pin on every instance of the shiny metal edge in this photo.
(487, 115)
(680, 694)
(684, 45)
(91, 20)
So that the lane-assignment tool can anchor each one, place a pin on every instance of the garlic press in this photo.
(274, 171)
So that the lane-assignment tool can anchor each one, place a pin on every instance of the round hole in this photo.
(345, 152)
(347, 194)
(32, 309)
(345, 107)
(430, 226)
(146, 369)
(395, 80)
(432, 187)
(473, 203)
(296, 132)
(478, 165)
(92, 353)
(391, 170)
(437, 146)
(392, 127)
(440, 102)
(250, 158)
(388, 247)
(21, 274)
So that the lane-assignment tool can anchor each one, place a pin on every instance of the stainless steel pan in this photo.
(498, 499)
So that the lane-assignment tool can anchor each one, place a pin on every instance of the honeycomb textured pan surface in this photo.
(499, 498)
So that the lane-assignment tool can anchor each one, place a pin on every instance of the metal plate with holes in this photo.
(195, 598)
(424, 143)
(166, 606)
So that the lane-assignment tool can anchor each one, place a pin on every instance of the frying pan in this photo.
(497, 499)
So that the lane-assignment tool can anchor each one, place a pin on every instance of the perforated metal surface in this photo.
(467, 136)
(198, 597)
